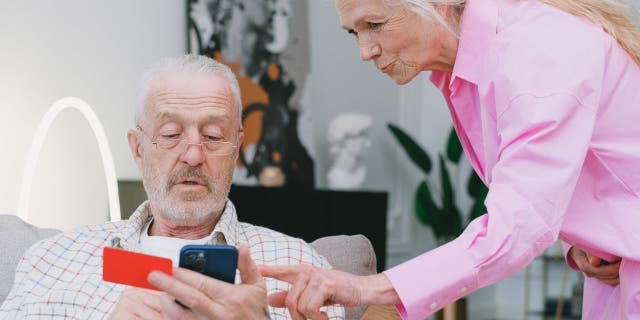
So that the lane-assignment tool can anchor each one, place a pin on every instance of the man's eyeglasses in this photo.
(176, 144)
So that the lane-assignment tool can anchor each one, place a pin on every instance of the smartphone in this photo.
(217, 261)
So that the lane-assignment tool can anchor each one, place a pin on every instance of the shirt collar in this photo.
(227, 226)
(129, 235)
(226, 230)
(477, 30)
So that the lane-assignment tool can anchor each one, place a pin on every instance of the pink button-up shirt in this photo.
(547, 107)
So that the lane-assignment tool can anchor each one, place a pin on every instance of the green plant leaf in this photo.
(454, 148)
(475, 186)
(452, 218)
(478, 208)
(447, 189)
(426, 210)
(416, 153)
(455, 222)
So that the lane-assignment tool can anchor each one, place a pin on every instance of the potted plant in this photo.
(445, 219)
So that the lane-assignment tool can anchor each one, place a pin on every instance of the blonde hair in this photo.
(616, 17)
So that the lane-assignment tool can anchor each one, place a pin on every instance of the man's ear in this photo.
(238, 143)
(135, 147)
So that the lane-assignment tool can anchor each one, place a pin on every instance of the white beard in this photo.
(189, 209)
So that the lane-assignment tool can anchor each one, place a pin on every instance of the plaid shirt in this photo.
(61, 277)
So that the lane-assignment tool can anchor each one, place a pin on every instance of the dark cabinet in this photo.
(311, 213)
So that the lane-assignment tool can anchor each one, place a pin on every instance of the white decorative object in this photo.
(103, 145)
(348, 136)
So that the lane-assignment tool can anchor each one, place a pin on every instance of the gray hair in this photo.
(189, 64)
(427, 10)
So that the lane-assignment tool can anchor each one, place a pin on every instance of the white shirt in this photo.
(166, 247)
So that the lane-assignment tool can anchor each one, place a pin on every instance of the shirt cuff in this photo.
(570, 262)
(429, 282)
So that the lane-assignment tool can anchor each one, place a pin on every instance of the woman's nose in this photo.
(369, 50)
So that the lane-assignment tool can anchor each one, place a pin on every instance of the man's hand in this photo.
(135, 303)
(209, 298)
(314, 287)
(592, 267)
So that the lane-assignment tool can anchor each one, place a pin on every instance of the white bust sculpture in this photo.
(348, 136)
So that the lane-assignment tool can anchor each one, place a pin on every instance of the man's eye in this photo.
(170, 136)
(212, 138)
(353, 32)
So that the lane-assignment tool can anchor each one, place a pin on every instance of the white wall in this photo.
(95, 50)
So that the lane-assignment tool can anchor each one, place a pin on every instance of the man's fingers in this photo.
(277, 299)
(184, 292)
(248, 270)
(212, 287)
(172, 310)
(146, 312)
(152, 301)
(148, 306)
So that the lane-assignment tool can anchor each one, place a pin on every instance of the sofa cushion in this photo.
(16, 237)
(353, 254)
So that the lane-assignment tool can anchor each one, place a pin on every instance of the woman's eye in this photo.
(374, 25)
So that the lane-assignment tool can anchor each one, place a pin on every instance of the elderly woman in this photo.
(544, 97)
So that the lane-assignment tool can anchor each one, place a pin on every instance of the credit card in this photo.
(132, 268)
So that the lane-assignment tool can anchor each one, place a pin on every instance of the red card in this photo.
(131, 268)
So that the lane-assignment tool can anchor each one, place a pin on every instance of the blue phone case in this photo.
(217, 261)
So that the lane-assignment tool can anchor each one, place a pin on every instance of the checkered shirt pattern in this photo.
(61, 277)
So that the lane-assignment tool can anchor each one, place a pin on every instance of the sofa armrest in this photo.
(16, 237)
(352, 254)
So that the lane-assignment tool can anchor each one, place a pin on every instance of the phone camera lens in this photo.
(191, 257)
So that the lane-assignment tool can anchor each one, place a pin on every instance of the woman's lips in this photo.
(386, 68)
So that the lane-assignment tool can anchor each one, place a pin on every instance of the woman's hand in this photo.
(314, 287)
(209, 298)
(592, 267)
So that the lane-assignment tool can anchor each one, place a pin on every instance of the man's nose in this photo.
(193, 155)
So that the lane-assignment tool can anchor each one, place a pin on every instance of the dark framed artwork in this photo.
(265, 42)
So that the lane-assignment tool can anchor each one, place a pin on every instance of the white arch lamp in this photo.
(36, 147)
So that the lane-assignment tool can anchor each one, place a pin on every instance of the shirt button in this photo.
(463, 289)
(433, 306)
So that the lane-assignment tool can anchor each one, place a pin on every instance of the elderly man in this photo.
(185, 144)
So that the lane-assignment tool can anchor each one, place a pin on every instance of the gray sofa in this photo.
(353, 254)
